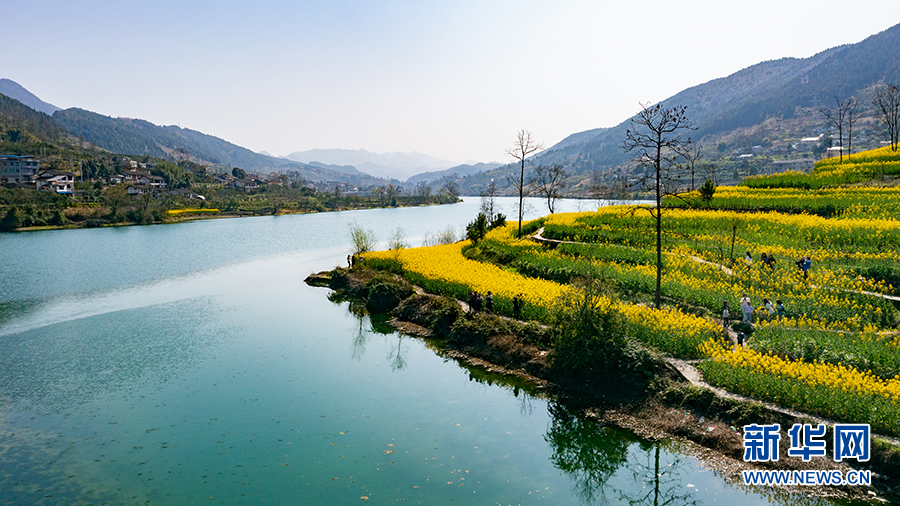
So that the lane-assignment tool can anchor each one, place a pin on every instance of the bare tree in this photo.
(887, 102)
(488, 202)
(691, 157)
(397, 243)
(655, 140)
(362, 239)
(423, 192)
(547, 182)
(838, 118)
(451, 187)
(390, 194)
(525, 146)
(615, 187)
(378, 193)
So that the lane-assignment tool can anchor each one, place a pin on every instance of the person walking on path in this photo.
(740, 340)
(517, 305)
(726, 315)
(489, 302)
(747, 309)
(349, 261)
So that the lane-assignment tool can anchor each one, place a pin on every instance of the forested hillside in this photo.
(21, 125)
(768, 106)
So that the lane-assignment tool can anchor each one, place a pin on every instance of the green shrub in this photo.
(386, 291)
(588, 334)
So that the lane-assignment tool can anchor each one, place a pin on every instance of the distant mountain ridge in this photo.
(771, 89)
(395, 165)
(14, 90)
(460, 170)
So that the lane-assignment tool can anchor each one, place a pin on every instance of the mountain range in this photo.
(23, 116)
(787, 93)
(458, 171)
(395, 165)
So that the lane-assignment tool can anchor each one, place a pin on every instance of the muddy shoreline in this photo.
(705, 425)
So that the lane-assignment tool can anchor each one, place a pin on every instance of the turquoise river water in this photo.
(190, 364)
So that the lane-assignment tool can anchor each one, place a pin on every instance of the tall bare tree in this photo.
(547, 182)
(525, 146)
(655, 140)
(838, 118)
(887, 102)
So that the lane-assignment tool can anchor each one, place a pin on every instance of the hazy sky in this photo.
(452, 79)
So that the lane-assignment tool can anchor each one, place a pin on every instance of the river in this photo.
(190, 364)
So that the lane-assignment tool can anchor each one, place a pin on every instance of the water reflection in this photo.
(368, 325)
(588, 454)
(661, 484)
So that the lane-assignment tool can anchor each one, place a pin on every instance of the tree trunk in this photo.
(521, 194)
(658, 297)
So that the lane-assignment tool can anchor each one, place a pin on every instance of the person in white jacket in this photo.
(747, 309)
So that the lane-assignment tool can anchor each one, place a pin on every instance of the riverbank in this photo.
(671, 408)
(180, 218)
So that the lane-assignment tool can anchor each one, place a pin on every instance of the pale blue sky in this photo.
(453, 79)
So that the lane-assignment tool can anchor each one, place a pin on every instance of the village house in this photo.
(807, 143)
(142, 189)
(247, 184)
(138, 189)
(60, 182)
(834, 151)
(137, 176)
(18, 169)
(225, 179)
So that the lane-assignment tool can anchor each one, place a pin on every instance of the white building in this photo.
(60, 182)
(18, 169)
